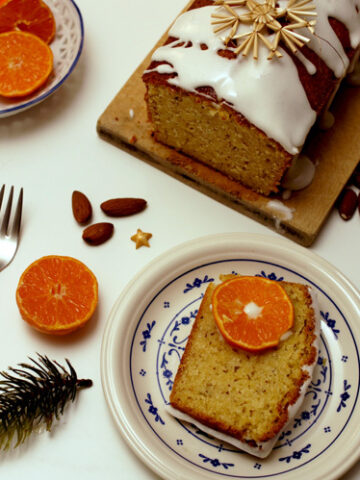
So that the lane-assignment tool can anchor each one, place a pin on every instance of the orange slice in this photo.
(252, 313)
(57, 294)
(25, 63)
(31, 16)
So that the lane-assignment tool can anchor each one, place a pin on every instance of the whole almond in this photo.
(121, 207)
(98, 233)
(81, 207)
(348, 203)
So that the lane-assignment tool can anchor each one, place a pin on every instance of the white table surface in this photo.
(53, 149)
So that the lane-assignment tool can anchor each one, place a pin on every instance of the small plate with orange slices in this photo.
(40, 44)
(146, 334)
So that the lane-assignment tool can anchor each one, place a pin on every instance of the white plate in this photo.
(66, 46)
(146, 334)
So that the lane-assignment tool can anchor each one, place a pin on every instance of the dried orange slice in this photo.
(31, 16)
(25, 63)
(57, 294)
(252, 313)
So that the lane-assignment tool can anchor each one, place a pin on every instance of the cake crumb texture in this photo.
(238, 393)
(217, 136)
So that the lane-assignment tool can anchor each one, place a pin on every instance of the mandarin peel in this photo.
(30, 16)
(57, 295)
(252, 313)
(26, 63)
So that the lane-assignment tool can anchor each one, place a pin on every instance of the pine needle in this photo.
(34, 395)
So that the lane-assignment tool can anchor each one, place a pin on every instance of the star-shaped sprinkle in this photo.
(141, 238)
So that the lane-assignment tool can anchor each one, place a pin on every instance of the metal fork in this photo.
(9, 236)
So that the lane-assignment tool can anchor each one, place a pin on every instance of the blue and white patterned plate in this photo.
(146, 334)
(66, 47)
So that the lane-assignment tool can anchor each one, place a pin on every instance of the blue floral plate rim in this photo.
(137, 357)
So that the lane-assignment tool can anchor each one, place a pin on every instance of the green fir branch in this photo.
(34, 395)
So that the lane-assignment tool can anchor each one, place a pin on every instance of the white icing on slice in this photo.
(253, 310)
(262, 451)
(286, 335)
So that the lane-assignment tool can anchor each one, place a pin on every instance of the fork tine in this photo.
(2, 194)
(5, 222)
(17, 218)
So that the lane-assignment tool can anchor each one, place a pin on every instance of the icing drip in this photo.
(286, 194)
(310, 67)
(300, 174)
(280, 212)
(282, 111)
(325, 43)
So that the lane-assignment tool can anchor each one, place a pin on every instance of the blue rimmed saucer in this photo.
(146, 334)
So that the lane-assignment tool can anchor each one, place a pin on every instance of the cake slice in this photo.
(246, 398)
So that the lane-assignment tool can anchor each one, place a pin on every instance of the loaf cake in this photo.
(246, 398)
(249, 117)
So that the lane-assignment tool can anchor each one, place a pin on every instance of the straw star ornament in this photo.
(141, 238)
(269, 23)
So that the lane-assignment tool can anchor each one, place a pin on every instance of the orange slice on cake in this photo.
(57, 294)
(252, 313)
(25, 63)
(31, 16)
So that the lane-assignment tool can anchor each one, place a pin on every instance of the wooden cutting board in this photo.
(335, 151)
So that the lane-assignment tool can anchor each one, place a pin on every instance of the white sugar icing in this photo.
(310, 67)
(282, 111)
(300, 174)
(280, 210)
(263, 449)
(252, 310)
